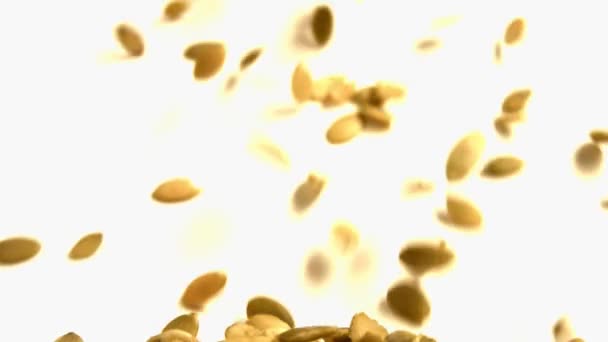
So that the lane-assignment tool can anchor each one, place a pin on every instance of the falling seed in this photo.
(515, 31)
(503, 166)
(307, 334)
(175, 191)
(588, 158)
(408, 302)
(503, 127)
(421, 258)
(401, 336)
(69, 337)
(516, 101)
(17, 250)
(186, 322)
(250, 58)
(318, 267)
(344, 129)
(308, 192)
(86, 246)
(418, 187)
(267, 305)
(498, 52)
(599, 136)
(202, 289)
(427, 45)
(462, 212)
(345, 237)
(273, 152)
(322, 24)
(361, 325)
(175, 9)
(464, 156)
(332, 91)
(372, 116)
(604, 204)
(130, 40)
(301, 83)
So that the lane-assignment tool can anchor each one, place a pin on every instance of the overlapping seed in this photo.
(130, 40)
(266, 305)
(503, 166)
(332, 91)
(86, 246)
(301, 83)
(363, 328)
(588, 158)
(373, 116)
(202, 289)
(462, 212)
(250, 58)
(514, 32)
(186, 322)
(175, 190)
(322, 24)
(307, 334)
(599, 136)
(69, 337)
(344, 129)
(464, 156)
(175, 9)
(408, 302)
(16, 250)
(423, 257)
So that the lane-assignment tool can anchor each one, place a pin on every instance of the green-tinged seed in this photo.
(266, 305)
(408, 302)
(86, 246)
(503, 166)
(186, 322)
(17, 250)
(464, 156)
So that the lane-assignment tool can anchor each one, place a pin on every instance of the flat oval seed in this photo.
(322, 24)
(599, 136)
(498, 52)
(363, 328)
(464, 155)
(308, 192)
(267, 305)
(86, 246)
(375, 116)
(176, 335)
(130, 40)
(69, 337)
(462, 212)
(516, 101)
(421, 258)
(186, 322)
(503, 127)
(175, 191)
(242, 329)
(400, 336)
(250, 58)
(588, 158)
(504, 166)
(515, 31)
(267, 322)
(17, 250)
(301, 83)
(408, 302)
(344, 129)
(175, 9)
(307, 334)
(427, 45)
(202, 289)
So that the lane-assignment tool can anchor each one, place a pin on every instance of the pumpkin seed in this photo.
(175, 9)
(318, 267)
(462, 212)
(307, 334)
(86, 246)
(504, 166)
(17, 250)
(301, 83)
(344, 129)
(341, 335)
(599, 136)
(408, 302)
(130, 40)
(322, 24)
(464, 156)
(589, 158)
(427, 45)
(372, 116)
(175, 191)
(265, 322)
(400, 336)
(267, 305)
(345, 237)
(69, 337)
(424, 338)
(202, 289)
(503, 127)
(515, 31)
(332, 91)
(273, 152)
(263, 338)
(176, 335)
(242, 329)
(250, 58)
(419, 186)
(421, 258)
(516, 101)
(308, 192)
(498, 52)
(186, 322)
(362, 325)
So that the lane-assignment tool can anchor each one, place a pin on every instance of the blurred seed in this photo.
(604, 204)
(186, 322)
(308, 192)
(344, 129)
(268, 323)
(341, 335)
(332, 91)
(267, 305)
(175, 191)
(250, 58)
(424, 338)
(175, 9)
(242, 329)
(515, 31)
(318, 267)
(462, 212)
(322, 24)
(176, 335)
(504, 166)
(421, 258)
(464, 156)
(130, 40)
(419, 186)
(374, 116)
(344, 237)
(427, 45)
(202, 289)
(301, 83)
(69, 337)
(408, 302)
(307, 334)
(589, 158)
(86, 246)
(17, 250)
(503, 127)
(498, 52)
(377, 94)
(599, 136)
(400, 336)
(578, 339)
(362, 325)
(273, 152)
(387, 91)
(516, 101)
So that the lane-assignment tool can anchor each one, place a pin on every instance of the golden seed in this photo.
(17, 250)
(577, 339)
(374, 116)
(604, 204)
(377, 94)
(421, 258)
(589, 158)
(322, 24)
(332, 91)
(464, 156)
(408, 302)
(345, 237)
(268, 323)
(308, 192)
(250, 58)
(362, 325)
(176, 335)
(318, 267)
(387, 91)
(175, 191)
(344, 129)
(515, 31)
(301, 83)
(503, 127)
(462, 212)
(419, 186)
(273, 152)
(516, 101)
(176, 9)
(241, 329)
(186, 322)
(307, 334)
(503, 166)
(86, 246)
(427, 45)
(498, 52)
(341, 335)
(69, 337)
(400, 336)
(130, 40)
(202, 289)
(267, 305)
(599, 136)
